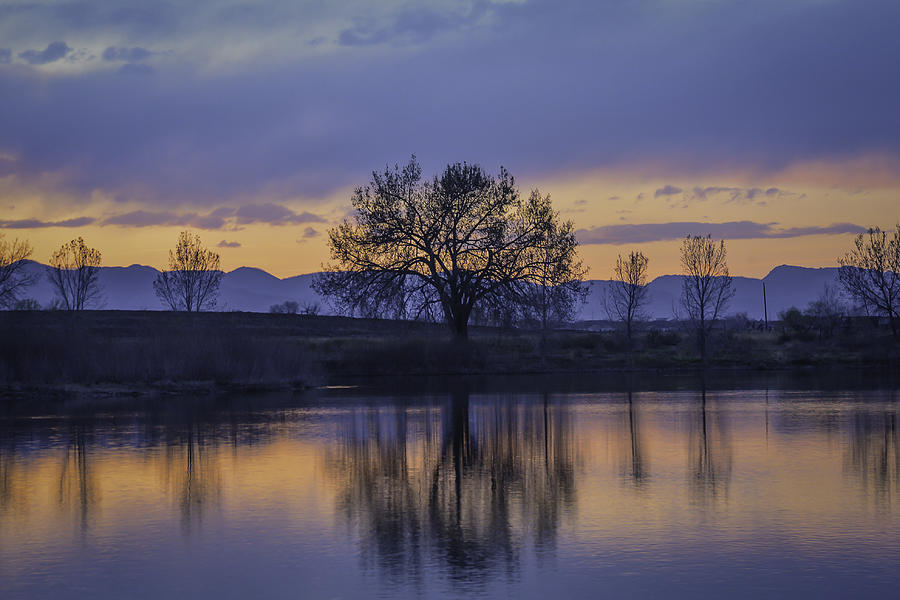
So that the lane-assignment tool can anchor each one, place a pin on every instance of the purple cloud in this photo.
(133, 54)
(52, 53)
(410, 25)
(763, 85)
(143, 218)
(669, 190)
(273, 214)
(220, 218)
(227, 244)
(737, 194)
(733, 230)
(38, 224)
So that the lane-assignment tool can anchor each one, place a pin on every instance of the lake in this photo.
(765, 486)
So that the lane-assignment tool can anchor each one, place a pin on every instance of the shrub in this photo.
(662, 339)
(288, 307)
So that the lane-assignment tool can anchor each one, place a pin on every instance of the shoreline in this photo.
(180, 353)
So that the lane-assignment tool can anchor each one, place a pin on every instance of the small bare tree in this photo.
(706, 284)
(14, 278)
(870, 273)
(191, 282)
(288, 307)
(627, 294)
(74, 272)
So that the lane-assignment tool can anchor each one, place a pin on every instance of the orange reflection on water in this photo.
(475, 484)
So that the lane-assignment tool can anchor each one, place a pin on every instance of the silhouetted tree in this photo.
(706, 285)
(74, 271)
(870, 273)
(288, 307)
(627, 294)
(191, 283)
(446, 247)
(27, 304)
(310, 308)
(14, 278)
(557, 286)
(826, 311)
(795, 323)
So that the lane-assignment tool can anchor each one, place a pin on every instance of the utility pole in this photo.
(765, 306)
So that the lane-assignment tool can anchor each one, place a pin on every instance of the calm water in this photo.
(781, 492)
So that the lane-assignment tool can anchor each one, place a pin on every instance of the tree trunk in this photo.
(701, 341)
(629, 344)
(458, 320)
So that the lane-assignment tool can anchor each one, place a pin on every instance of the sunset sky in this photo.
(774, 124)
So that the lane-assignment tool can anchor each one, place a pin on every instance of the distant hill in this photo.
(245, 289)
(254, 290)
(786, 286)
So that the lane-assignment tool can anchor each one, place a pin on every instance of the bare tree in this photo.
(627, 294)
(826, 311)
(556, 288)
(288, 307)
(14, 278)
(191, 282)
(74, 272)
(444, 248)
(706, 285)
(870, 273)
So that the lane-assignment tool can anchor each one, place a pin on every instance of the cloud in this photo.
(133, 54)
(52, 53)
(410, 25)
(38, 224)
(144, 218)
(669, 190)
(5, 55)
(220, 218)
(739, 195)
(273, 214)
(309, 232)
(217, 125)
(733, 230)
(227, 244)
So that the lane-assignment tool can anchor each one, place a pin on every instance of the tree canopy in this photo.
(627, 293)
(14, 278)
(870, 273)
(74, 272)
(706, 287)
(442, 248)
(191, 282)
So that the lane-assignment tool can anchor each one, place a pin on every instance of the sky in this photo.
(772, 124)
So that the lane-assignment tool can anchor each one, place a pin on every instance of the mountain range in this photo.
(254, 290)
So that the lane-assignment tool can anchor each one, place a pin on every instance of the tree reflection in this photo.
(12, 492)
(464, 484)
(709, 453)
(191, 472)
(634, 463)
(873, 453)
(77, 486)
